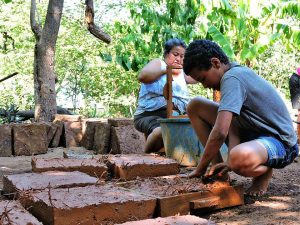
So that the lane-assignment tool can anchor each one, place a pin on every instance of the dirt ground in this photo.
(280, 205)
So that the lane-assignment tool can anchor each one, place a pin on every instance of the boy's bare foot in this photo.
(260, 184)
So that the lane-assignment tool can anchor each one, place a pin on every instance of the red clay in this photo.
(178, 194)
(93, 167)
(39, 181)
(97, 204)
(128, 167)
(13, 213)
(173, 220)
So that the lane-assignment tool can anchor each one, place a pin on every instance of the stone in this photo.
(88, 132)
(12, 212)
(16, 184)
(92, 167)
(5, 140)
(119, 122)
(30, 139)
(129, 167)
(58, 133)
(102, 138)
(73, 134)
(67, 118)
(172, 220)
(127, 140)
(96, 204)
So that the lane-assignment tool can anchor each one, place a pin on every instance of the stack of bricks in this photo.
(125, 139)
(23, 139)
(118, 136)
(72, 129)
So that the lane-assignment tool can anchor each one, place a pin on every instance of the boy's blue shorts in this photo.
(279, 155)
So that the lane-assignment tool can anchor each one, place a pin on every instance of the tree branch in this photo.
(92, 27)
(35, 27)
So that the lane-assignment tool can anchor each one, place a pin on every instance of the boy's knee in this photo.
(240, 160)
(193, 105)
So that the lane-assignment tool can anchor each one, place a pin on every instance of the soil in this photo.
(279, 206)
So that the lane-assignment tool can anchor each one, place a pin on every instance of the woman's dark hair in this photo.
(199, 53)
(171, 43)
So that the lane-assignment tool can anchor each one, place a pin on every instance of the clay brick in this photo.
(51, 130)
(67, 118)
(96, 204)
(73, 133)
(5, 140)
(16, 183)
(172, 220)
(93, 167)
(119, 122)
(12, 212)
(102, 138)
(58, 133)
(128, 167)
(179, 194)
(127, 140)
(88, 132)
(30, 139)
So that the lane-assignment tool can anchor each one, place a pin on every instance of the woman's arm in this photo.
(152, 71)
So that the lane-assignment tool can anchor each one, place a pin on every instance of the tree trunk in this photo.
(44, 55)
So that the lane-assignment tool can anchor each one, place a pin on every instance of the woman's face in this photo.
(175, 56)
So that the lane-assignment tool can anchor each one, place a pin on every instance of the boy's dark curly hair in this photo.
(171, 43)
(199, 53)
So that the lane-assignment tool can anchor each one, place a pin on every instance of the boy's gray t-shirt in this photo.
(257, 106)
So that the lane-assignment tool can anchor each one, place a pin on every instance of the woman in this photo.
(151, 102)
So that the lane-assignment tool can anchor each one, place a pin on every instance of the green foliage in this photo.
(262, 34)
(8, 114)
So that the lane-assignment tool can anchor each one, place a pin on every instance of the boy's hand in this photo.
(195, 173)
(216, 171)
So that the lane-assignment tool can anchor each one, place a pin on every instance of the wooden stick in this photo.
(9, 76)
(169, 88)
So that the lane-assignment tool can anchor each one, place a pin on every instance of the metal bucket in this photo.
(181, 142)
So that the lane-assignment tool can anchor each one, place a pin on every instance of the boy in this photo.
(251, 118)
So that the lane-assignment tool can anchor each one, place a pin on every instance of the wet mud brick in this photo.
(102, 138)
(127, 140)
(93, 167)
(96, 204)
(30, 139)
(5, 140)
(172, 220)
(128, 167)
(18, 183)
(67, 118)
(73, 134)
(12, 212)
(119, 122)
(88, 132)
(58, 133)
(179, 194)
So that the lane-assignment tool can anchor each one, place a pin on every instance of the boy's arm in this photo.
(215, 140)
